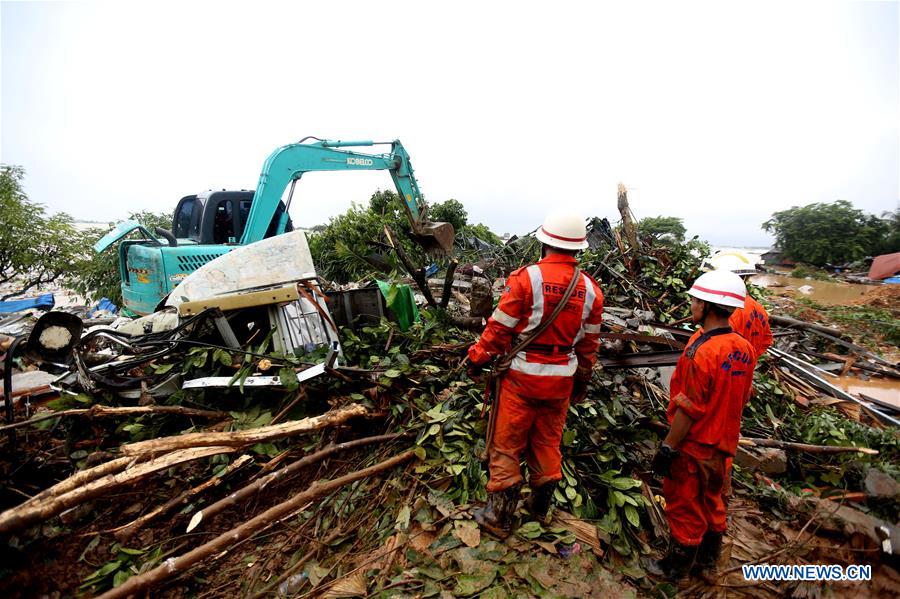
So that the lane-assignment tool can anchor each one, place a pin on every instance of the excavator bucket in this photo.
(436, 238)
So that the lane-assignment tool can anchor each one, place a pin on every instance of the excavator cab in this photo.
(219, 217)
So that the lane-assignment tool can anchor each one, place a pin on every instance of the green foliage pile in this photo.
(663, 274)
(443, 406)
(871, 326)
(352, 246)
(833, 233)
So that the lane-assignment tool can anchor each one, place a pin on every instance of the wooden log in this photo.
(177, 565)
(123, 533)
(99, 411)
(751, 441)
(52, 505)
(80, 478)
(245, 437)
(254, 487)
(805, 447)
(787, 321)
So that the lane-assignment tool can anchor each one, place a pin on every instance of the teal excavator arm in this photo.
(288, 163)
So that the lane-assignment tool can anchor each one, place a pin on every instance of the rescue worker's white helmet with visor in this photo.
(564, 230)
(721, 287)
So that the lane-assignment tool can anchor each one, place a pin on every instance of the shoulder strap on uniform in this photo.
(504, 362)
(703, 338)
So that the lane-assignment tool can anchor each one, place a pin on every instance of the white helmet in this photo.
(563, 230)
(735, 262)
(720, 287)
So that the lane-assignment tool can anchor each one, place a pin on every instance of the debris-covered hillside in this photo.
(167, 457)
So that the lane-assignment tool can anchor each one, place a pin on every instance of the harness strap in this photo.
(703, 338)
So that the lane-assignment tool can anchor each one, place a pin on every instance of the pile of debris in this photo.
(294, 440)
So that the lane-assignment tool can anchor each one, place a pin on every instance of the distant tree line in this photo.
(833, 233)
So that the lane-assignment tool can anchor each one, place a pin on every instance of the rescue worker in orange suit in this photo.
(751, 321)
(709, 389)
(551, 371)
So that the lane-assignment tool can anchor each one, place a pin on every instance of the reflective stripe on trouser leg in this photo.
(514, 420)
(543, 454)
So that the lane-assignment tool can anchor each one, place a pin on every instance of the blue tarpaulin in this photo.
(44, 301)
(104, 304)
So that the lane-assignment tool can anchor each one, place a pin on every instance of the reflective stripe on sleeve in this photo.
(592, 329)
(504, 318)
(537, 297)
(589, 297)
(520, 364)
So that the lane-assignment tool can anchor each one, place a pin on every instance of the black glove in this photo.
(662, 461)
(579, 392)
(475, 371)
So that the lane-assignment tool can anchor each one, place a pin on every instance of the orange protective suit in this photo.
(711, 384)
(752, 323)
(534, 393)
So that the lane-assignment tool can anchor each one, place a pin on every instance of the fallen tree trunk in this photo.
(123, 533)
(257, 485)
(787, 321)
(107, 411)
(80, 478)
(176, 565)
(52, 505)
(747, 441)
(245, 437)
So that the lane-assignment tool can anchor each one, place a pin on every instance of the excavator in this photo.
(213, 223)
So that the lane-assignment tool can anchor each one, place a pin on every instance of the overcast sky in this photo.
(718, 113)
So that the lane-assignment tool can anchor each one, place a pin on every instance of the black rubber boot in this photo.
(496, 515)
(706, 564)
(675, 566)
(540, 499)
